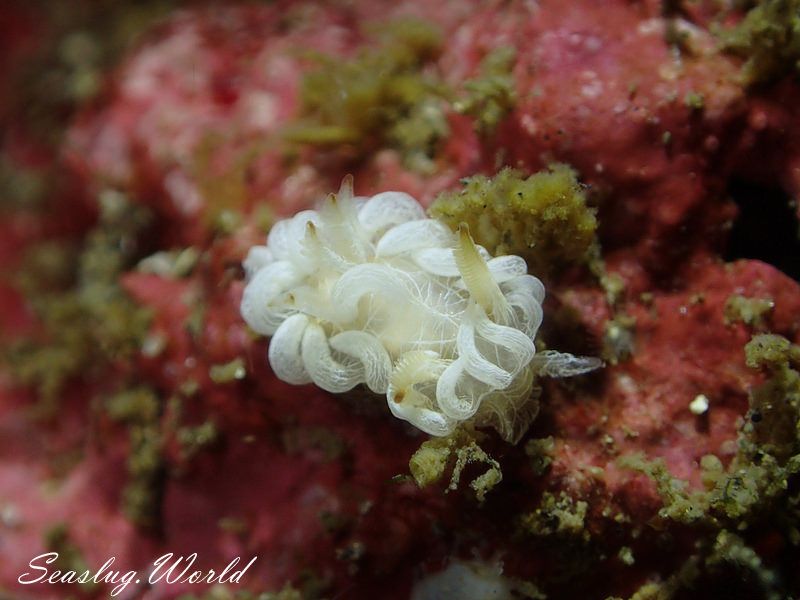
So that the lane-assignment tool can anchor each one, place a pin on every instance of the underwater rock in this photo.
(170, 432)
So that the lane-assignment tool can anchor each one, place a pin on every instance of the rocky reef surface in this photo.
(145, 149)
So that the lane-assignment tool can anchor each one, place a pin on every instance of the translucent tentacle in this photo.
(257, 258)
(389, 209)
(414, 235)
(475, 363)
(457, 401)
(507, 267)
(514, 349)
(560, 364)
(373, 356)
(362, 280)
(477, 277)
(285, 355)
(414, 405)
(267, 284)
(324, 370)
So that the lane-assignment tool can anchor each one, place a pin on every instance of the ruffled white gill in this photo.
(372, 291)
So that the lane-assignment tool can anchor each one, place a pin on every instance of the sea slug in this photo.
(372, 291)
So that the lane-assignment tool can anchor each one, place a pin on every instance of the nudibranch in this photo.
(372, 291)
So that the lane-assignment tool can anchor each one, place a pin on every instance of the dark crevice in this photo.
(766, 229)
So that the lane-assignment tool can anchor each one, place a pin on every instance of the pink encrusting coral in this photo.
(140, 414)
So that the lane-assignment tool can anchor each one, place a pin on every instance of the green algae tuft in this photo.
(70, 558)
(775, 404)
(756, 483)
(193, 439)
(171, 264)
(773, 352)
(429, 462)
(87, 319)
(557, 515)
(753, 312)
(768, 38)
(234, 370)
(694, 100)
(382, 96)
(540, 452)
(134, 405)
(730, 549)
(619, 338)
(434, 457)
(679, 504)
(139, 409)
(490, 96)
(543, 218)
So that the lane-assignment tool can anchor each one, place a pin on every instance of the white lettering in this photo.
(167, 568)
(236, 576)
(49, 557)
(169, 575)
(124, 581)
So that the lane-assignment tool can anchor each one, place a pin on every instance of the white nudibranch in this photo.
(372, 291)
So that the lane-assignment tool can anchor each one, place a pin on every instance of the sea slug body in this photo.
(372, 291)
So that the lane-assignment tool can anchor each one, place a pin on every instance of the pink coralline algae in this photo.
(140, 414)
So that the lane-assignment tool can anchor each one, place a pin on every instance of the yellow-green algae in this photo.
(429, 462)
(619, 338)
(78, 43)
(540, 451)
(70, 558)
(679, 505)
(694, 100)
(544, 218)
(139, 408)
(433, 458)
(731, 549)
(150, 422)
(389, 94)
(171, 264)
(490, 96)
(718, 555)
(380, 96)
(87, 321)
(750, 311)
(139, 404)
(557, 515)
(775, 404)
(22, 188)
(228, 372)
(90, 321)
(753, 489)
(528, 589)
(768, 38)
(195, 438)
(625, 555)
(224, 187)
